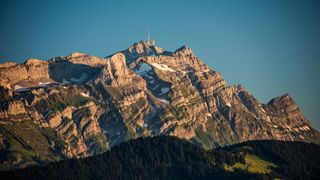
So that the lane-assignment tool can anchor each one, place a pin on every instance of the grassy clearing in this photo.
(204, 139)
(25, 143)
(100, 142)
(254, 164)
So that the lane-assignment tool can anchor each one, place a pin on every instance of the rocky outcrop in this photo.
(284, 107)
(8, 64)
(118, 66)
(16, 108)
(76, 68)
(80, 58)
(142, 49)
(116, 74)
(288, 119)
(31, 69)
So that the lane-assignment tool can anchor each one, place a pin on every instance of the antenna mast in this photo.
(148, 35)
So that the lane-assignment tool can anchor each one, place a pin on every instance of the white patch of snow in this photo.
(84, 95)
(143, 69)
(162, 67)
(189, 70)
(164, 90)
(155, 87)
(20, 88)
(208, 114)
(163, 100)
(81, 79)
(90, 81)
(44, 84)
(275, 126)
(64, 81)
(16, 87)
(228, 104)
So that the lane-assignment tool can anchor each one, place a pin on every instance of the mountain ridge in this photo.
(82, 105)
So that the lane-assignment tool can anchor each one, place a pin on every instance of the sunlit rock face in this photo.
(82, 105)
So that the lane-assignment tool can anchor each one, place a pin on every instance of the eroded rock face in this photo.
(82, 105)
(75, 68)
(118, 64)
(204, 109)
(284, 106)
(16, 108)
(116, 74)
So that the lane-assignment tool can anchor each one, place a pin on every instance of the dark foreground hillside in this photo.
(166, 157)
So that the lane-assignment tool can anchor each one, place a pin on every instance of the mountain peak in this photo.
(33, 61)
(76, 55)
(285, 98)
(143, 42)
(142, 48)
(184, 50)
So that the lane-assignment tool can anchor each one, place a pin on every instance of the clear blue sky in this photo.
(271, 47)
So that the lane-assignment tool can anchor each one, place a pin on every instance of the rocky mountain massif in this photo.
(82, 105)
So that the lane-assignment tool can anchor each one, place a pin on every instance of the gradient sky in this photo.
(271, 47)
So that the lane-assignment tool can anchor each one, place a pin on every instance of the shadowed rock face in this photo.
(81, 105)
